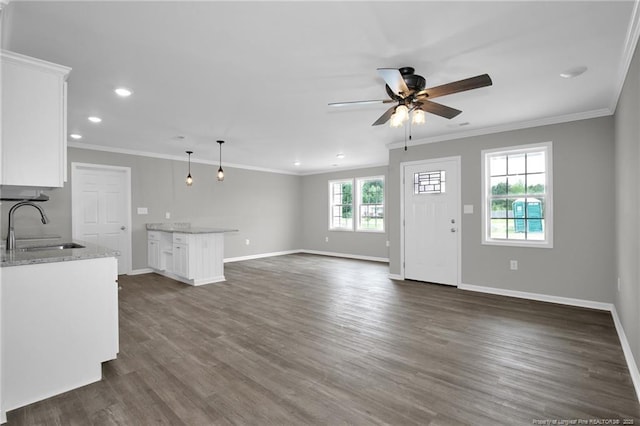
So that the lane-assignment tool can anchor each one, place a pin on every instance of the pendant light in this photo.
(220, 176)
(189, 178)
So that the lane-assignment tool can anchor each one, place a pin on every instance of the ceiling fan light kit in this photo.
(399, 116)
(408, 90)
(418, 117)
(395, 122)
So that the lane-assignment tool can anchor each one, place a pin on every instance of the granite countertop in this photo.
(18, 258)
(185, 228)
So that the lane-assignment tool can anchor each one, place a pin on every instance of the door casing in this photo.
(75, 206)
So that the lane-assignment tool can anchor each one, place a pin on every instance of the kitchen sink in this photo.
(61, 246)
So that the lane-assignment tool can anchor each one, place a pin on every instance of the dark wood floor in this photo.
(305, 339)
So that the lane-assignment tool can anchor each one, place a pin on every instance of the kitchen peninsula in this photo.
(192, 255)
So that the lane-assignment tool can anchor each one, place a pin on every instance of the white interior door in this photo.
(101, 208)
(432, 221)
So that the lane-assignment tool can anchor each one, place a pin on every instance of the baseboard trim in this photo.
(538, 296)
(189, 281)
(346, 255)
(610, 307)
(259, 256)
(628, 354)
(140, 271)
(396, 277)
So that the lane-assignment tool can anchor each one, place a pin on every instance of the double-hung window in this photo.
(341, 205)
(357, 204)
(370, 198)
(517, 196)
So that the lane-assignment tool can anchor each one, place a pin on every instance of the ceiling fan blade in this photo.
(438, 109)
(394, 80)
(385, 117)
(341, 104)
(457, 86)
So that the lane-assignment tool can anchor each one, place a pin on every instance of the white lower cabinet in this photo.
(59, 323)
(153, 254)
(181, 260)
(193, 258)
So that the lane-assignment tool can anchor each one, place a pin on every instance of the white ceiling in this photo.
(259, 75)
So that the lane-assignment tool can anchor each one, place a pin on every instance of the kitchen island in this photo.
(58, 321)
(192, 255)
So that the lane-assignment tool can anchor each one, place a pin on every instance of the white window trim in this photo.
(357, 204)
(330, 205)
(548, 243)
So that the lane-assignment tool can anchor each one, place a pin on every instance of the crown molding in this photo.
(630, 44)
(506, 127)
(340, 169)
(81, 145)
(114, 150)
(40, 64)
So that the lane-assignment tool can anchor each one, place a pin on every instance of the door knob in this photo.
(123, 227)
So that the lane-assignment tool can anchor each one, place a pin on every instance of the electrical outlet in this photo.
(143, 210)
(513, 265)
(326, 239)
(387, 243)
(167, 215)
(247, 241)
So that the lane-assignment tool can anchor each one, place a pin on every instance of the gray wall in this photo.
(265, 207)
(315, 210)
(582, 262)
(627, 141)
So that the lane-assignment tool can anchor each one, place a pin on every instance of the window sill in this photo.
(529, 244)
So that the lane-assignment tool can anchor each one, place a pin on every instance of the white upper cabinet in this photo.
(34, 122)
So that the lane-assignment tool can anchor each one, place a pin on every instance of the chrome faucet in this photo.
(11, 235)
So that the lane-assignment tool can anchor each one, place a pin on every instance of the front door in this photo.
(431, 221)
(100, 208)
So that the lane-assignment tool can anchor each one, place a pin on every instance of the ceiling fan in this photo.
(406, 88)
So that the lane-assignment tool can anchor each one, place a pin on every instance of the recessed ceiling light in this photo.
(573, 72)
(95, 119)
(296, 163)
(123, 92)
(340, 156)
(75, 136)
(334, 165)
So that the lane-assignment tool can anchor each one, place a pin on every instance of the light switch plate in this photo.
(143, 210)
(468, 209)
